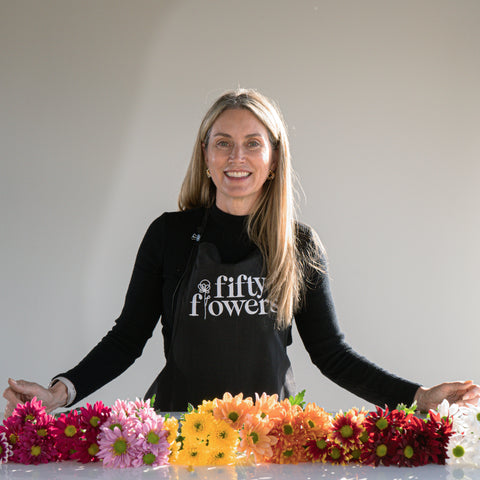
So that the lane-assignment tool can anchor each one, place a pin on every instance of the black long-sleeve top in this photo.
(160, 262)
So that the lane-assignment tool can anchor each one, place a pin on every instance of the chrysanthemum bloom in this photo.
(222, 434)
(153, 442)
(317, 449)
(35, 446)
(67, 433)
(196, 426)
(118, 448)
(29, 412)
(87, 447)
(93, 416)
(5, 448)
(379, 450)
(207, 406)
(12, 430)
(461, 450)
(316, 421)
(337, 454)
(219, 455)
(233, 409)
(291, 435)
(435, 437)
(267, 405)
(347, 429)
(193, 453)
(255, 438)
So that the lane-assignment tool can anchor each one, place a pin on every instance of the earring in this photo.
(209, 175)
(271, 175)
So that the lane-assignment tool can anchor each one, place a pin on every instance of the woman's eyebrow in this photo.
(221, 134)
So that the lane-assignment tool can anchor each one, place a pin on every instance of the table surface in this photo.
(304, 471)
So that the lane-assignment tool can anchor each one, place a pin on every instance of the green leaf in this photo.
(152, 400)
(190, 408)
(411, 409)
(298, 399)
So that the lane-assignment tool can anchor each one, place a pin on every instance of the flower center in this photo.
(93, 449)
(233, 416)
(364, 436)
(287, 429)
(478, 417)
(254, 436)
(381, 423)
(335, 453)
(113, 425)
(119, 446)
(70, 431)
(42, 432)
(152, 437)
(356, 454)
(381, 450)
(408, 451)
(288, 453)
(36, 451)
(198, 426)
(311, 424)
(30, 418)
(458, 451)
(346, 431)
(149, 458)
(321, 444)
(13, 438)
(94, 421)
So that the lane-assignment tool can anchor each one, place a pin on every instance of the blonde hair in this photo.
(271, 224)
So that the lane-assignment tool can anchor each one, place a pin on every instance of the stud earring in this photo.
(209, 175)
(271, 175)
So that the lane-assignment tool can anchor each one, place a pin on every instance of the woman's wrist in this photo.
(59, 394)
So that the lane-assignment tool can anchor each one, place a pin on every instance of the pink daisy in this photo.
(93, 417)
(153, 445)
(118, 447)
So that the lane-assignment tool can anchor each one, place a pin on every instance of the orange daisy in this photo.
(316, 421)
(233, 409)
(267, 405)
(255, 438)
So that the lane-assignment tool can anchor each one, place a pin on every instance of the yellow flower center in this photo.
(36, 451)
(321, 444)
(42, 432)
(381, 450)
(335, 453)
(381, 423)
(346, 431)
(408, 451)
(94, 421)
(458, 451)
(93, 449)
(70, 431)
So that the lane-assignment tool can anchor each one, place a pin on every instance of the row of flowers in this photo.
(231, 429)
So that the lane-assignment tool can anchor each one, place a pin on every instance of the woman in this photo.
(226, 274)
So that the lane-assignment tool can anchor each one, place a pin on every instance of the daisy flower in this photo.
(233, 409)
(118, 447)
(316, 420)
(153, 442)
(461, 450)
(196, 426)
(34, 447)
(5, 448)
(87, 448)
(317, 450)
(267, 405)
(347, 429)
(93, 417)
(67, 433)
(207, 406)
(255, 438)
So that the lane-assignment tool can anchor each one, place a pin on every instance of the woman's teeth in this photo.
(237, 174)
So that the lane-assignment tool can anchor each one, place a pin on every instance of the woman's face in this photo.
(239, 156)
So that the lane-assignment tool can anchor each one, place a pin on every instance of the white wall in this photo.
(99, 105)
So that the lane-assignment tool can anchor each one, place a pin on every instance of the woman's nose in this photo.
(237, 152)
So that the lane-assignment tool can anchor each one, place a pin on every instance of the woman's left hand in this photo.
(461, 393)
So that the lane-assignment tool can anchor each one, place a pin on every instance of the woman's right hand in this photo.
(21, 391)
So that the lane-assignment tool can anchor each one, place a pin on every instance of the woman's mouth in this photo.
(237, 174)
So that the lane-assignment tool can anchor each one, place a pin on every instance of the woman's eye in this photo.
(223, 144)
(253, 144)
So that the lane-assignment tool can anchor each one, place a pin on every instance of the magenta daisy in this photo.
(29, 412)
(93, 417)
(5, 449)
(118, 447)
(36, 446)
(87, 448)
(67, 434)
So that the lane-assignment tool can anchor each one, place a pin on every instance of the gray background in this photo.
(100, 101)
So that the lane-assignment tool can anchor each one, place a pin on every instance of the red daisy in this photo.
(93, 417)
(67, 434)
(87, 448)
(347, 429)
(36, 446)
(316, 450)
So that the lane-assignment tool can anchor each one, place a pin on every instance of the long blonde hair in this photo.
(271, 224)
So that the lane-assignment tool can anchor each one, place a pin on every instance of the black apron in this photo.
(224, 337)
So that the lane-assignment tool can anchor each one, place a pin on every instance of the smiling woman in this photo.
(227, 274)
(239, 157)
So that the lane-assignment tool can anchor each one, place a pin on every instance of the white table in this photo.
(304, 471)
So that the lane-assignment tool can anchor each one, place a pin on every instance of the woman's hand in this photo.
(461, 393)
(21, 391)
